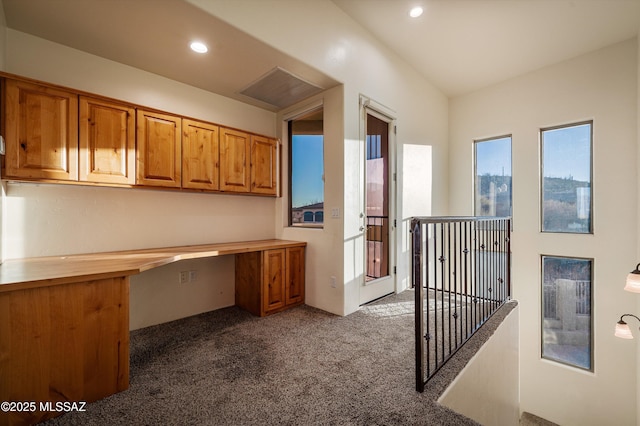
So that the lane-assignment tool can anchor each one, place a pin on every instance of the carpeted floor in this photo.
(299, 367)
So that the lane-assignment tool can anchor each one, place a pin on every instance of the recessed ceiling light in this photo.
(199, 47)
(415, 12)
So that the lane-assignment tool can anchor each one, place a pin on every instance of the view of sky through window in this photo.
(567, 153)
(566, 183)
(493, 177)
(307, 169)
(494, 157)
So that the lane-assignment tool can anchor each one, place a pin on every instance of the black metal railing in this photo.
(461, 270)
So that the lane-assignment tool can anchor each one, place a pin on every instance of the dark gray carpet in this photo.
(299, 367)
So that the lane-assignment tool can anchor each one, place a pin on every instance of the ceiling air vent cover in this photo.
(280, 88)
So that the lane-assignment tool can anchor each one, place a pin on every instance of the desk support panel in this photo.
(63, 343)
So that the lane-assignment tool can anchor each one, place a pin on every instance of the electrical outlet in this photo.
(193, 276)
(333, 282)
(184, 277)
(335, 212)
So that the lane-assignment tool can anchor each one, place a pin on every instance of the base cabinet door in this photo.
(294, 290)
(273, 279)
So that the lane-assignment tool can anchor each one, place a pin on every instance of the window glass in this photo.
(566, 311)
(493, 177)
(566, 179)
(306, 165)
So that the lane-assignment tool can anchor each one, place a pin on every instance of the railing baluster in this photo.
(464, 267)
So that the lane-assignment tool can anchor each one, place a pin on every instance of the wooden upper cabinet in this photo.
(41, 131)
(158, 150)
(55, 134)
(235, 155)
(107, 142)
(263, 165)
(200, 155)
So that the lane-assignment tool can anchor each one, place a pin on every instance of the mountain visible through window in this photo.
(566, 179)
(493, 177)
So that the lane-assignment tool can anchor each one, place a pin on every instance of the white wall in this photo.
(320, 34)
(323, 244)
(601, 86)
(487, 388)
(45, 220)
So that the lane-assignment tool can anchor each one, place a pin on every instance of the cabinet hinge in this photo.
(395, 270)
(395, 223)
(395, 130)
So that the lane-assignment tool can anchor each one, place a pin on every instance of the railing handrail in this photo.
(445, 219)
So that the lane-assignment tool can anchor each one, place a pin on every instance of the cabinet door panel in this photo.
(41, 132)
(200, 155)
(263, 165)
(158, 151)
(235, 154)
(273, 280)
(107, 142)
(295, 275)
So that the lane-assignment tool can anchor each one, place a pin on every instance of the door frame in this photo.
(374, 289)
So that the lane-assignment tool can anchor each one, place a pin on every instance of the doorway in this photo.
(378, 189)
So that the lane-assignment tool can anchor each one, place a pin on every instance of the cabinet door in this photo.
(200, 155)
(158, 151)
(235, 153)
(294, 291)
(263, 165)
(107, 142)
(273, 280)
(41, 131)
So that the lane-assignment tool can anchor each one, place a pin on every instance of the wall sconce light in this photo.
(622, 329)
(633, 280)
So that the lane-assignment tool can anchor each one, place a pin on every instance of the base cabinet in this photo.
(270, 281)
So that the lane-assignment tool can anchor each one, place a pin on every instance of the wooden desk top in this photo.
(19, 274)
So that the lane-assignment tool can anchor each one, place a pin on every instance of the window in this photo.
(566, 178)
(566, 311)
(306, 165)
(493, 177)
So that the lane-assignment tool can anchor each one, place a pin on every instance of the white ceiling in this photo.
(458, 45)
(463, 45)
(154, 35)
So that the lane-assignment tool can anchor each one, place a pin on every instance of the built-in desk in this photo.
(64, 320)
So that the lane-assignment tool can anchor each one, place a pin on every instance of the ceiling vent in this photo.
(280, 88)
